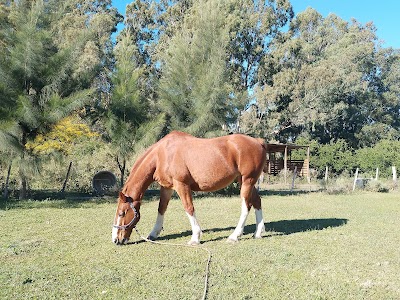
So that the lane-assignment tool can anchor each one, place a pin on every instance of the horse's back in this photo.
(209, 164)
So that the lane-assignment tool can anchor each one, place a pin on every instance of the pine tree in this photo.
(36, 81)
(194, 88)
(129, 125)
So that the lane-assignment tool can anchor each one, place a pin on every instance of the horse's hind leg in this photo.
(246, 194)
(256, 202)
(165, 196)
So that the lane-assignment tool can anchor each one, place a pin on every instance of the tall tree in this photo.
(151, 25)
(129, 124)
(249, 26)
(322, 79)
(253, 24)
(194, 87)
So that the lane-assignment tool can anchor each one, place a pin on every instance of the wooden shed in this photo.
(279, 157)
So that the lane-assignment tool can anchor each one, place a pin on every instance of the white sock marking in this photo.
(196, 230)
(157, 226)
(242, 220)
(260, 227)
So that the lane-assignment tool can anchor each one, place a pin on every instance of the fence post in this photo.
(326, 173)
(377, 174)
(355, 180)
(294, 177)
(394, 176)
(5, 195)
(66, 178)
(285, 166)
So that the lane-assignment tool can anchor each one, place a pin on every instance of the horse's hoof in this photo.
(151, 238)
(193, 243)
(257, 235)
(232, 240)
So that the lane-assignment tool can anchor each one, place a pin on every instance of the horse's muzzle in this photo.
(118, 241)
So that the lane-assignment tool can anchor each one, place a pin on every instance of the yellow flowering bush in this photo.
(61, 138)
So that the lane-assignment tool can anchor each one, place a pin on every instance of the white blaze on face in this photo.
(115, 230)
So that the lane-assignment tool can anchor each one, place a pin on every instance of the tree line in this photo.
(207, 67)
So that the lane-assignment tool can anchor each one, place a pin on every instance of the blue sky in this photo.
(384, 14)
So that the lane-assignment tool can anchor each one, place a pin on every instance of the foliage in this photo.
(324, 78)
(342, 159)
(383, 155)
(61, 137)
(194, 87)
(337, 156)
(43, 75)
(377, 186)
(208, 67)
(341, 184)
(128, 122)
(88, 157)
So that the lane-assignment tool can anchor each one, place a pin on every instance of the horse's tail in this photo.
(262, 142)
(264, 145)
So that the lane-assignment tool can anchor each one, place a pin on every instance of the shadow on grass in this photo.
(71, 199)
(284, 227)
(283, 192)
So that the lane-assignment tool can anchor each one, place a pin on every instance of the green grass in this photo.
(317, 246)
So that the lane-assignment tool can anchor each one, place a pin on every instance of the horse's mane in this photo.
(137, 163)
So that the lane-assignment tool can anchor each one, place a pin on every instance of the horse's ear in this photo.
(122, 196)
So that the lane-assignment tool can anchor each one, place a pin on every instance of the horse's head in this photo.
(126, 218)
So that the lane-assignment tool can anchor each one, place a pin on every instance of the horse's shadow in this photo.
(283, 227)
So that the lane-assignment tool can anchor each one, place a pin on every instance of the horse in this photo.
(185, 163)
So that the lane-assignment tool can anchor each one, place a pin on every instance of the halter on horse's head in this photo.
(126, 218)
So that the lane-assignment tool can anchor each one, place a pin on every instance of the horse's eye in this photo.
(122, 214)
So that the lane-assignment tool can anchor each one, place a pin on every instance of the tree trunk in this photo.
(122, 170)
(22, 189)
(7, 182)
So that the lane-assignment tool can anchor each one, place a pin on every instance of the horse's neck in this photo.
(140, 178)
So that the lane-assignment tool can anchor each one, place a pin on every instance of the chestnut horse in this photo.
(185, 163)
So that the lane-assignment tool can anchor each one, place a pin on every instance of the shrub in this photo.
(376, 186)
(339, 185)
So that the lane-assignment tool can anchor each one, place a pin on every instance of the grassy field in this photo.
(317, 246)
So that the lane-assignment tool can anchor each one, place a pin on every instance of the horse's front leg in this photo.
(185, 193)
(165, 196)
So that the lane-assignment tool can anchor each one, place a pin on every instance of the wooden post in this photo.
(326, 173)
(394, 176)
(377, 174)
(355, 180)
(285, 164)
(294, 177)
(308, 165)
(66, 178)
(7, 182)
